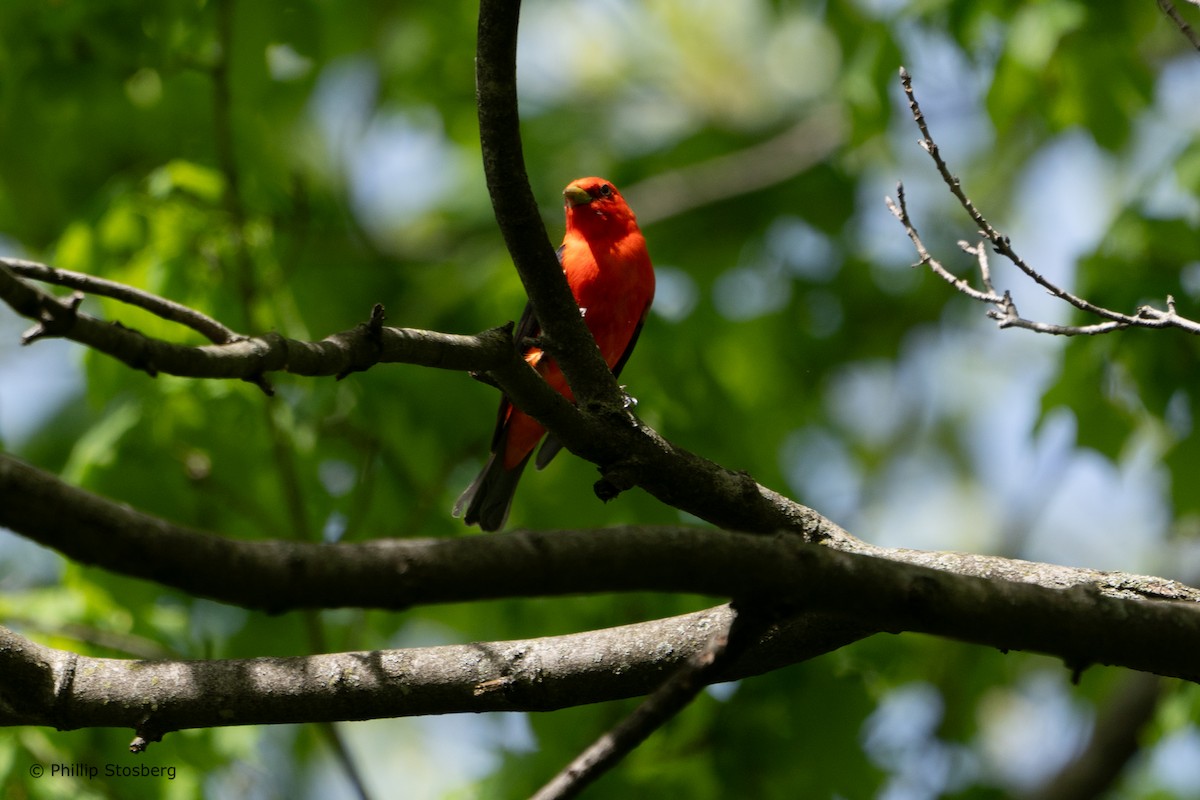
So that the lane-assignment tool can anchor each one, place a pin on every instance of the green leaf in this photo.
(204, 183)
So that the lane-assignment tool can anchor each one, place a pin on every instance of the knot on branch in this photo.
(505, 332)
(367, 346)
(265, 347)
(1006, 316)
(616, 478)
(538, 340)
(141, 742)
(55, 318)
(259, 379)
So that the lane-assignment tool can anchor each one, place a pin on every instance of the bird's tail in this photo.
(489, 497)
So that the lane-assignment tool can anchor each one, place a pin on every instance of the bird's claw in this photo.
(627, 400)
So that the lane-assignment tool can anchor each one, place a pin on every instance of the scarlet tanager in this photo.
(603, 255)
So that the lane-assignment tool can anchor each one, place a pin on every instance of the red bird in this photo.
(603, 255)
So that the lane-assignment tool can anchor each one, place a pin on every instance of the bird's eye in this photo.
(606, 190)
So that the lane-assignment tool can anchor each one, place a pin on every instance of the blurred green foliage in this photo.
(286, 164)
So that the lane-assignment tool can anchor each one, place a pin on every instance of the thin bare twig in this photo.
(899, 209)
(1005, 312)
(211, 329)
(338, 354)
(1188, 32)
(661, 705)
(999, 241)
(747, 627)
(127, 644)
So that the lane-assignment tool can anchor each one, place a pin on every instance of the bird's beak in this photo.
(575, 196)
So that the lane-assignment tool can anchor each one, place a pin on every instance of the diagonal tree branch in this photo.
(1118, 736)
(250, 290)
(663, 704)
(628, 451)
(1189, 33)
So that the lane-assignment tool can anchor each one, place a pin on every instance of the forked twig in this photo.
(211, 329)
(1005, 311)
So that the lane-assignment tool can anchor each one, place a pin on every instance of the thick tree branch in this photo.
(1081, 616)
(43, 686)
(563, 331)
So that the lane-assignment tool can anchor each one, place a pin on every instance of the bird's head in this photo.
(595, 201)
